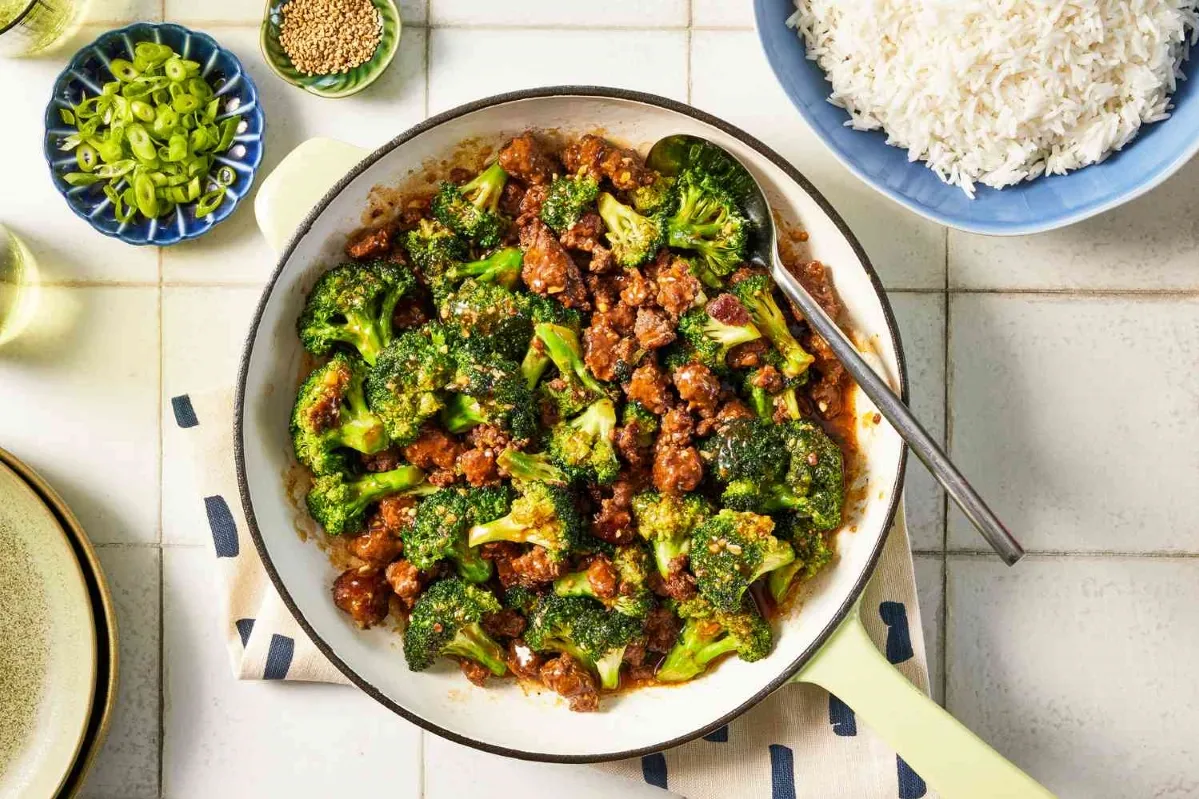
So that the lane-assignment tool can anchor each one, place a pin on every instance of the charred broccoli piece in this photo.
(756, 294)
(582, 628)
(353, 304)
(656, 198)
(730, 551)
(330, 415)
(339, 502)
(707, 220)
(472, 209)
(709, 633)
(710, 332)
(566, 201)
(633, 238)
(531, 467)
(439, 529)
(633, 598)
(445, 621)
(812, 554)
(666, 522)
(502, 267)
(543, 514)
(489, 313)
(406, 386)
(435, 249)
(582, 447)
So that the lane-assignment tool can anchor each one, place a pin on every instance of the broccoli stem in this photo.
(563, 347)
(501, 267)
(461, 413)
(790, 402)
(363, 332)
(379, 484)
(471, 566)
(730, 336)
(534, 365)
(523, 466)
(365, 434)
(472, 642)
(574, 584)
(598, 420)
(761, 403)
(608, 668)
(779, 581)
(667, 549)
(693, 652)
(485, 189)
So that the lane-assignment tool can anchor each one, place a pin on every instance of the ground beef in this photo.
(653, 329)
(506, 623)
(731, 409)
(548, 269)
(405, 581)
(602, 577)
(362, 593)
(769, 379)
(678, 585)
(370, 244)
(523, 661)
(392, 514)
(414, 211)
(629, 444)
(815, 278)
(728, 309)
(614, 521)
(748, 354)
(676, 428)
(620, 317)
(598, 158)
(383, 461)
(604, 349)
(499, 550)
(698, 387)
(744, 271)
(661, 629)
(677, 470)
(530, 570)
(530, 204)
(635, 290)
(511, 198)
(650, 386)
(567, 677)
(634, 653)
(377, 547)
(585, 234)
(605, 292)
(523, 159)
(411, 311)
(827, 390)
(433, 449)
(479, 467)
(677, 288)
(474, 671)
(601, 261)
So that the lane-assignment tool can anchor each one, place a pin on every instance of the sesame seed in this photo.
(326, 37)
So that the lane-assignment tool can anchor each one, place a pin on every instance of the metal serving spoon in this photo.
(672, 154)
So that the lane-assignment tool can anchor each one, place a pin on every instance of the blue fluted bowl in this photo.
(88, 71)
(1030, 207)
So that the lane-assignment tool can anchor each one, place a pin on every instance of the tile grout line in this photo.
(687, 67)
(943, 627)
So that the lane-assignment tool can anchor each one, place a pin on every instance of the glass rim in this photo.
(19, 18)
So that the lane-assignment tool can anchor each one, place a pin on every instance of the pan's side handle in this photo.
(951, 759)
(291, 190)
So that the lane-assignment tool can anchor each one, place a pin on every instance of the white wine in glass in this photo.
(29, 26)
(19, 288)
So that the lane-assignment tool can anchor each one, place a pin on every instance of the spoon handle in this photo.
(891, 407)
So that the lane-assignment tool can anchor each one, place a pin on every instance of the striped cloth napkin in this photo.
(801, 742)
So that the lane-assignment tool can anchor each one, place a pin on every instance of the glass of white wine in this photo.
(30, 26)
(19, 289)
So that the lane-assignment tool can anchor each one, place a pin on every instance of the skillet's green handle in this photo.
(951, 759)
(299, 182)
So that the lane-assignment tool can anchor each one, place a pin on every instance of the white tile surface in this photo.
(127, 766)
(82, 384)
(1076, 418)
(240, 739)
(722, 13)
(235, 252)
(1149, 243)
(730, 78)
(454, 772)
(203, 330)
(922, 329)
(1081, 670)
(112, 12)
(515, 13)
(463, 64)
(412, 12)
(930, 579)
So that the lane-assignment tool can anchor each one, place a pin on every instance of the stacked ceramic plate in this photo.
(58, 641)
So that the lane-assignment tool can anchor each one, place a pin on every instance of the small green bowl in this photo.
(340, 85)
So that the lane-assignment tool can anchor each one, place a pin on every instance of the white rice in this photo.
(1000, 91)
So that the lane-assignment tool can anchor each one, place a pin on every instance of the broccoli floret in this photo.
(757, 295)
(339, 502)
(439, 529)
(633, 597)
(472, 210)
(542, 310)
(656, 198)
(634, 414)
(502, 267)
(445, 621)
(730, 551)
(405, 387)
(709, 633)
(521, 599)
(330, 415)
(489, 313)
(816, 472)
(766, 405)
(708, 221)
(562, 345)
(746, 450)
(435, 249)
(585, 630)
(633, 238)
(709, 339)
(492, 392)
(543, 514)
(531, 467)
(812, 553)
(567, 199)
(583, 446)
(666, 522)
(353, 304)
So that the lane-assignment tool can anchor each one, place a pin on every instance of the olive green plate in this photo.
(341, 85)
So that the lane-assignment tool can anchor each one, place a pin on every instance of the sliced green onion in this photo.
(185, 103)
(69, 119)
(226, 176)
(146, 195)
(143, 111)
(81, 178)
(199, 88)
(175, 70)
(87, 157)
(140, 143)
(123, 71)
(153, 52)
(228, 131)
(110, 89)
(116, 169)
(209, 202)
(177, 148)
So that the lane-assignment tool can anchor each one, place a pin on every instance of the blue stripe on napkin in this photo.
(782, 772)
(278, 657)
(185, 414)
(911, 786)
(244, 628)
(653, 769)
(899, 638)
(224, 530)
(841, 716)
(720, 736)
